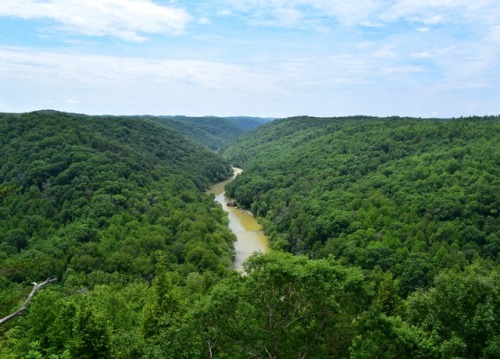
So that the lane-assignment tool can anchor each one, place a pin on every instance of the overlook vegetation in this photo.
(385, 236)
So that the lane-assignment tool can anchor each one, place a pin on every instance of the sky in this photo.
(273, 58)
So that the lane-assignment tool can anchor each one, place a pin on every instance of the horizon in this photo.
(429, 59)
(251, 117)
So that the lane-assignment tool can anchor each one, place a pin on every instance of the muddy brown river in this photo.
(249, 234)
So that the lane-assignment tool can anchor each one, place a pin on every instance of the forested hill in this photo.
(72, 176)
(411, 196)
(139, 145)
(414, 204)
(95, 201)
(212, 132)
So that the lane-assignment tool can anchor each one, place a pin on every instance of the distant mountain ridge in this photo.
(211, 131)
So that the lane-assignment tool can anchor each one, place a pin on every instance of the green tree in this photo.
(459, 315)
(90, 335)
(285, 306)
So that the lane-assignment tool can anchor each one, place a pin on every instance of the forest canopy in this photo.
(385, 236)
(102, 201)
(411, 196)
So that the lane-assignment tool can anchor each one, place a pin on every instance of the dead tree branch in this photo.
(36, 288)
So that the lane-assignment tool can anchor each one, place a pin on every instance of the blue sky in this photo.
(274, 58)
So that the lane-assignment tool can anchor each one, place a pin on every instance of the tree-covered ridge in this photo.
(96, 200)
(407, 195)
(140, 145)
(212, 132)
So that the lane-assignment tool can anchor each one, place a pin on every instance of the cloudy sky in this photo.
(272, 58)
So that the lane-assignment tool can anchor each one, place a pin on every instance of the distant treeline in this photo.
(212, 132)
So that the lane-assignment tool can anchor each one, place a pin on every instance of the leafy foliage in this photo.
(285, 306)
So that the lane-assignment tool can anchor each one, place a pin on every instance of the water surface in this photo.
(248, 231)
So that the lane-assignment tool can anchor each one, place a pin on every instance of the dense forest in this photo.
(101, 204)
(413, 200)
(385, 236)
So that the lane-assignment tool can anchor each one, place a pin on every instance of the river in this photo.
(249, 234)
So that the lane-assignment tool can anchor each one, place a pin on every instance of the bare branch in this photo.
(36, 288)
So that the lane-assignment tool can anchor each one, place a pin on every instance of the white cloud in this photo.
(306, 12)
(385, 52)
(423, 29)
(433, 12)
(433, 20)
(74, 102)
(203, 21)
(282, 17)
(401, 69)
(224, 13)
(472, 69)
(367, 12)
(50, 78)
(128, 20)
(348, 12)
(288, 17)
(87, 70)
(421, 55)
(275, 78)
(113, 84)
(495, 33)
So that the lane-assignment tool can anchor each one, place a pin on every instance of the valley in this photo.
(249, 233)
(375, 237)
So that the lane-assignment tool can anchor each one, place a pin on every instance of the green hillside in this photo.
(407, 195)
(72, 178)
(97, 201)
(414, 203)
